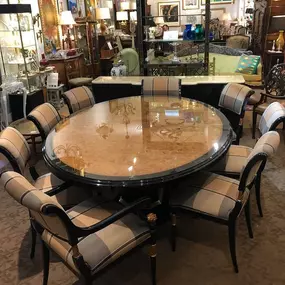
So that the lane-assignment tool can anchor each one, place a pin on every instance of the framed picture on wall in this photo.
(216, 13)
(190, 4)
(170, 12)
(72, 6)
(49, 21)
(218, 2)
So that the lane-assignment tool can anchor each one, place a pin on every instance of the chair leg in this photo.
(257, 193)
(34, 240)
(232, 243)
(173, 231)
(46, 263)
(254, 119)
(152, 251)
(248, 218)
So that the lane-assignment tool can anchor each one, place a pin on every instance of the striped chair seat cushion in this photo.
(233, 162)
(106, 245)
(207, 193)
(71, 196)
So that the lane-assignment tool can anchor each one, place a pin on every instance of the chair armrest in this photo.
(272, 96)
(85, 231)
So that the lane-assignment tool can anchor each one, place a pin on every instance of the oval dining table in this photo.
(137, 141)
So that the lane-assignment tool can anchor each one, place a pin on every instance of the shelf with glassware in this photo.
(159, 45)
(86, 40)
(18, 48)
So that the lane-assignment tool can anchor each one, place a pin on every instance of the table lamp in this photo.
(122, 17)
(66, 19)
(133, 6)
(103, 14)
(133, 16)
(125, 5)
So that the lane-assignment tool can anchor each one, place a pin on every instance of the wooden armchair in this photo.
(89, 236)
(274, 89)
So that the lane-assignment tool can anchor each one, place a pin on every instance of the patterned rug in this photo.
(202, 256)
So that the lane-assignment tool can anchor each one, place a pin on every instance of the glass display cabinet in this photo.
(18, 49)
(86, 41)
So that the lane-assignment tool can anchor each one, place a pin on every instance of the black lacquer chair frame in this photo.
(231, 222)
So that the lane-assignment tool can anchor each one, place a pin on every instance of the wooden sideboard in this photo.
(60, 67)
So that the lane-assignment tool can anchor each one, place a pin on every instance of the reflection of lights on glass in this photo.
(135, 160)
(131, 168)
(171, 113)
(216, 146)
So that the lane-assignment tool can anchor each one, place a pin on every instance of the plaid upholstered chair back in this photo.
(45, 117)
(161, 86)
(266, 146)
(15, 148)
(234, 97)
(272, 117)
(78, 98)
(35, 200)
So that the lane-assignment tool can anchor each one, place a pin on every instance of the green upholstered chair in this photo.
(220, 198)
(131, 59)
(161, 86)
(45, 117)
(232, 103)
(78, 98)
(89, 236)
(16, 150)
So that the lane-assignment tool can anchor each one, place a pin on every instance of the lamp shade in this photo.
(125, 5)
(133, 6)
(227, 17)
(133, 16)
(122, 16)
(159, 20)
(110, 4)
(103, 14)
(66, 19)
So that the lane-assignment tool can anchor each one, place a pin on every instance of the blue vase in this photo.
(188, 33)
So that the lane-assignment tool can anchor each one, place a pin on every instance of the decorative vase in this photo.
(199, 32)
(118, 69)
(188, 33)
(280, 41)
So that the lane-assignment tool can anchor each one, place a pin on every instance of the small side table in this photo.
(270, 59)
(54, 96)
(29, 131)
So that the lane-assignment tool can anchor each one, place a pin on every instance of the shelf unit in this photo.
(18, 48)
(86, 39)
(196, 67)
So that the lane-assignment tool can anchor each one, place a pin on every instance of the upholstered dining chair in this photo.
(161, 86)
(78, 98)
(274, 89)
(15, 149)
(232, 103)
(89, 236)
(234, 161)
(45, 117)
(220, 198)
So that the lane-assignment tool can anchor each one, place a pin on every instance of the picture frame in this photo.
(218, 2)
(72, 6)
(190, 4)
(170, 12)
(50, 27)
(216, 13)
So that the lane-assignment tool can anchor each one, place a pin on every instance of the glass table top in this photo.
(137, 141)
